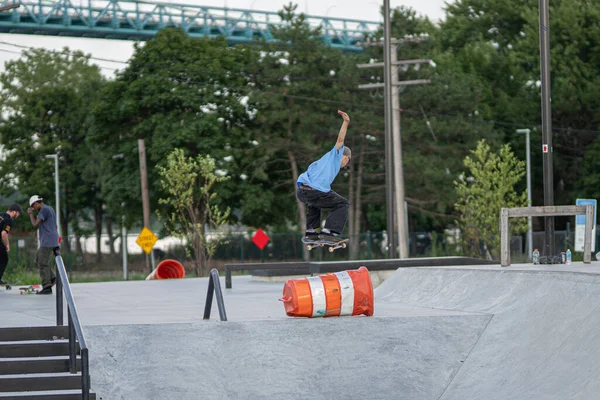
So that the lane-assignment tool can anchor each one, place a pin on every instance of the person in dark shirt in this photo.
(7, 222)
(45, 222)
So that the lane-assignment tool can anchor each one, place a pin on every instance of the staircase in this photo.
(34, 364)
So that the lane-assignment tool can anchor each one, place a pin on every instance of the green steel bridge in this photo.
(141, 20)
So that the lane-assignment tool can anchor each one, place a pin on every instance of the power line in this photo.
(180, 69)
(22, 46)
(11, 51)
(187, 81)
(308, 98)
(496, 122)
(21, 53)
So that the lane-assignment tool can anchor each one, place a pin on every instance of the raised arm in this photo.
(343, 129)
(35, 222)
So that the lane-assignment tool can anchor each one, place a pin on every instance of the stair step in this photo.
(33, 333)
(43, 349)
(72, 395)
(39, 382)
(36, 366)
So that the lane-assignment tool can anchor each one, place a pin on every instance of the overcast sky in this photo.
(121, 50)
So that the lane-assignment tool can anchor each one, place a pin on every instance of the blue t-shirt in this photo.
(48, 229)
(322, 172)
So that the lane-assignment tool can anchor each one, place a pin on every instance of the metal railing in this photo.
(545, 211)
(75, 329)
(214, 288)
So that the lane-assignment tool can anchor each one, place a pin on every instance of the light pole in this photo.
(124, 243)
(123, 230)
(529, 224)
(329, 8)
(56, 192)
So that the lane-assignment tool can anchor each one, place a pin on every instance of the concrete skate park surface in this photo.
(481, 332)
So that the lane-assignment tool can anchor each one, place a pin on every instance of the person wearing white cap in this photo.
(46, 223)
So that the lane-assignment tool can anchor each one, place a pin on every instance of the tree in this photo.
(189, 185)
(291, 79)
(487, 186)
(588, 185)
(506, 34)
(440, 121)
(181, 92)
(575, 51)
(46, 100)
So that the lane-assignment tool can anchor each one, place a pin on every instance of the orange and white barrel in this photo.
(332, 295)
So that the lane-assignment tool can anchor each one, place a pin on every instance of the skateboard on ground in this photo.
(30, 289)
(9, 285)
(311, 244)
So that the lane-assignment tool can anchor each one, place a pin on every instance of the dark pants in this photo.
(317, 201)
(41, 259)
(3, 260)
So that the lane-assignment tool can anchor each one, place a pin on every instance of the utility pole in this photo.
(546, 123)
(389, 173)
(394, 167)
(145, 195)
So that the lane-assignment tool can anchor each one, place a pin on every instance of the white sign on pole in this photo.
(580, 225)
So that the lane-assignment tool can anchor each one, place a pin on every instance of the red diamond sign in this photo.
(260, 239)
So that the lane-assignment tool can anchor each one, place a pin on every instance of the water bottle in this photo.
(568, 257)
(536, 257)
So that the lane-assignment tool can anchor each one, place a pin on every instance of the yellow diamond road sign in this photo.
(146, 240)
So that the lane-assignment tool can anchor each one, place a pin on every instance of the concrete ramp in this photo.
(333, 358)
(542, 341)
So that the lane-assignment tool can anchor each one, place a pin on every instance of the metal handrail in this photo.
(214, 287)
(75, 328)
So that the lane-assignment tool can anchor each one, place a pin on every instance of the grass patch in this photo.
(29, 277)
(24, 278)
(25, 275)
(85, 277)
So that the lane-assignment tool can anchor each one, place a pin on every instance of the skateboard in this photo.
(9, 285)
(311, 244)
(30, 289)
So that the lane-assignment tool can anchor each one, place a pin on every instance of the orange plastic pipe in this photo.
(167, 269)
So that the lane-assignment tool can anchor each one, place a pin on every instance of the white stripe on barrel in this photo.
(319, 301)
(347, 287)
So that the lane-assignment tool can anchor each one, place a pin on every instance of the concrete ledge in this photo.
(309, 268)
(293, 359)
(377, 277)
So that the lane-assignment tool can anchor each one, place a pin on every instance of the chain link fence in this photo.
(84, 261)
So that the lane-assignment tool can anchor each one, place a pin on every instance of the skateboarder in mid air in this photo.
(314, 190)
